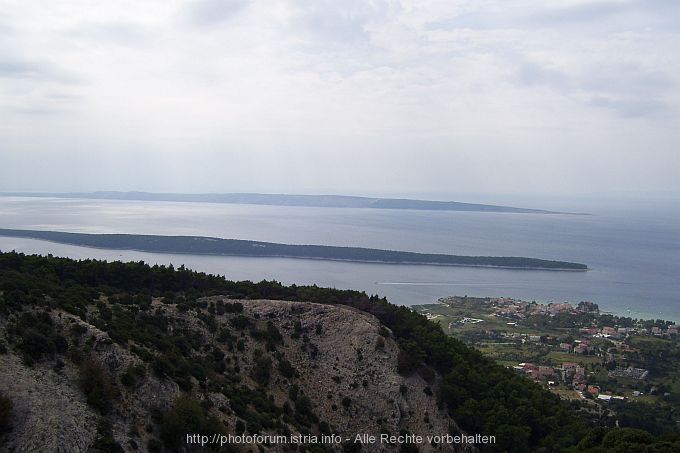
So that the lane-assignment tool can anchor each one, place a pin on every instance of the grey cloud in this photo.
(631, 108)
(545, 16)
(609, 15)
(628, 80)
(339, 22)
(36, 110)
(208, 13)
(588, 12)
(12, 68)
(597, 15)
(473, 20)
(630, 92)
(120, 33)
(533, 74)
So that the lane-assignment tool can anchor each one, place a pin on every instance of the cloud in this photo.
(209, 13)
(632, 107)
(311, 92)
(532, 74)
(119, 33)
(588, 12)
(338, 22)
(38, 70)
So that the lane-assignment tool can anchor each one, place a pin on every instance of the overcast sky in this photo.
(357, 97)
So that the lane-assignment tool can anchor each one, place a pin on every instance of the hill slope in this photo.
(313, 368)
(128, 357)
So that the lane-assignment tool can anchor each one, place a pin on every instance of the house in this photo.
(569, 366)
(579, 373)
(545, 371)
(593, 390)
(582, 348)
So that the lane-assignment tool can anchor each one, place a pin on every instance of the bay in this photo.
(634, 256)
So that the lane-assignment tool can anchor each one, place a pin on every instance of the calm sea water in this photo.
(634, 256)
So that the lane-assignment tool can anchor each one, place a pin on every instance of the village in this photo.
(574, 350)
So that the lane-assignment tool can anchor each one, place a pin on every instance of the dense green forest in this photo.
(198, 245)
(481, 395)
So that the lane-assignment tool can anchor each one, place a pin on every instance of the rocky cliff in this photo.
(266, 367)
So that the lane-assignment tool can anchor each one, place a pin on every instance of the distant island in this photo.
(318, 201)
(199, 245)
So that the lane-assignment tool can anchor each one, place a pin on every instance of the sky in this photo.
(440, 98)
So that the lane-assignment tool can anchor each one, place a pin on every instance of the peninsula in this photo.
(199, 245)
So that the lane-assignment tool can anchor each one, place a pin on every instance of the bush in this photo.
(96, 385)
(627, 437)
(287, 369)
(262, 370)
(187, 416)
(303, 405)
(380, 343)
(406, 363)
(132, 374)
(5, 413)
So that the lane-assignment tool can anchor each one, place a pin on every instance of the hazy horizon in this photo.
(581, 203)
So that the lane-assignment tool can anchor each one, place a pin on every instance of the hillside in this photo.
(100, 356)
(346, 373)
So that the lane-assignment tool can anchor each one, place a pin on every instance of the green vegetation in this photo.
(185, 416)
(197, 245)
(651, 404)
(5, 413)
(96, 385)
(483, 397)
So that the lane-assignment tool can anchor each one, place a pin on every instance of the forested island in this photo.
(316, 201)
(199, 245)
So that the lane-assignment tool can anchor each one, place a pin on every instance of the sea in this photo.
(633, 254)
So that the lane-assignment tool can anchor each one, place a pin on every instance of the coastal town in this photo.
(573, 349)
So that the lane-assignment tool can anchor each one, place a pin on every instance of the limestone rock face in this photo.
(352, 376)
(50, 411)
(343, 360)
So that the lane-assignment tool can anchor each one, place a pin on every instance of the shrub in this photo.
(303, 405)
(262, 370)
(187, 416)
(132, 374)
(287, 369)
(5, 413)
(406, 363)
(380, 343)
(96, 385)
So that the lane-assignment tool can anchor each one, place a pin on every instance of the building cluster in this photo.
(519, 309)
(570, 372)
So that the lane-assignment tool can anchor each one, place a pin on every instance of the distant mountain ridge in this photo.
(318, 201)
